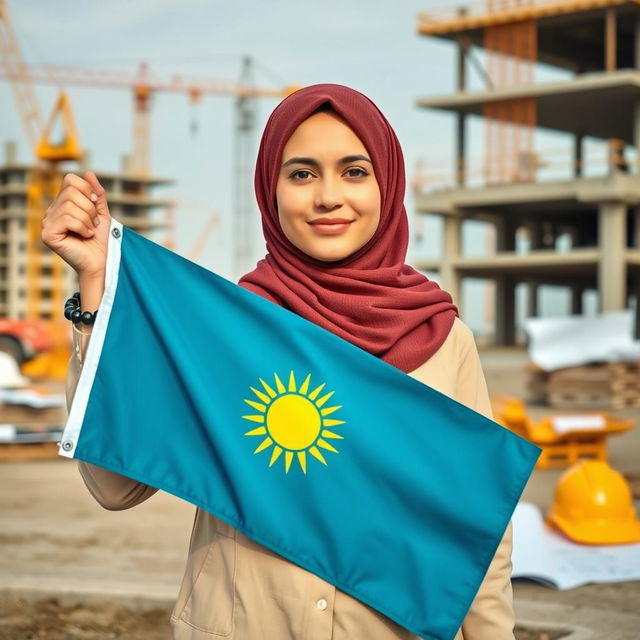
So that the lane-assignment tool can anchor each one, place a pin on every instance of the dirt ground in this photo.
(69, 569)
(50, 620)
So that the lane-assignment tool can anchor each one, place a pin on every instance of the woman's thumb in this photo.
(97, 189)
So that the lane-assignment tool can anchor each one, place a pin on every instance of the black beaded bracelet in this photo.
(72, 311)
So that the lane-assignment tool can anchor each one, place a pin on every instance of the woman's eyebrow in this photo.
(355, 158)
(308, 161)
(314, 163)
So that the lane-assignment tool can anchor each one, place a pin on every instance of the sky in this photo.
(369, 45)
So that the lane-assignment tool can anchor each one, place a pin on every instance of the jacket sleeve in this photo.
(111, 490)
(490, 616)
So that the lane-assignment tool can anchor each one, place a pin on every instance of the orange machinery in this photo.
(564, 439)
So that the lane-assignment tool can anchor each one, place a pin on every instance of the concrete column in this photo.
(612, 218)
(505, 311)
(506, 228)
(578, 148)
(535, 235)
(451, 280)
(636, 45)
(576, 299)
(461, 150)
(637, 324)
(636, 115)
(460, 168)
(532, 299)
(610, 40)
(636, 133)
(463, 49)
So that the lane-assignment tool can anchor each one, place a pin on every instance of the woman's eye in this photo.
(301, 174)
(356, 172)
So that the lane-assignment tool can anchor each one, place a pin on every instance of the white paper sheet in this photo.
(31, 398)
(567, 424)
(546, 556)
(576, 340)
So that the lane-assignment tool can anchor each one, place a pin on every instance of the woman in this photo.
(330, 186)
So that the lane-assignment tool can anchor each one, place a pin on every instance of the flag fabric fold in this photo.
(328, 456)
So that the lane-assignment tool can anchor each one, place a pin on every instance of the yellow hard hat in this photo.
(592, 504)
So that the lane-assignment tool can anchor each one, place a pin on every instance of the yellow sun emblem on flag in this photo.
(293, 420)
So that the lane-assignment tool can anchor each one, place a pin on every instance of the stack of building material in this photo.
(625, 384)
(28, 442)
(615, 385)
(31, 418)
(584, 362)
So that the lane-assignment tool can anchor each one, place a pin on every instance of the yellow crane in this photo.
(44, 180)
(42, 186)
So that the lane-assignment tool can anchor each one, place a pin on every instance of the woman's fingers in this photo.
(72, 180)
(73, 222)
(69, 217)
(100, 200)
(82, 202)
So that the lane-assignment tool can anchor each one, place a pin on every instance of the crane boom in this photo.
(191, 85)
(15, 69)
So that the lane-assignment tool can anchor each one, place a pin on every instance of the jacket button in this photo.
(321, 604)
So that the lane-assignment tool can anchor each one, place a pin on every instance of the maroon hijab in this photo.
(371, 298)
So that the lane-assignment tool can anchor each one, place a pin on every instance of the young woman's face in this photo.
(327, 193)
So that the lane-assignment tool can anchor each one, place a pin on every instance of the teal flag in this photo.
(328, 456)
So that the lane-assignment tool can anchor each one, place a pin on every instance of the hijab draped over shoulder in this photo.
(371, 298)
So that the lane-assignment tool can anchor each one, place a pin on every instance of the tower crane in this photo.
(44, 179)
(144, 84)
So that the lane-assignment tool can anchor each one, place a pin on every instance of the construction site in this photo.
(570, 385)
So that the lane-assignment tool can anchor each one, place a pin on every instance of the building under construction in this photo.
(598, 210)
(34, 281)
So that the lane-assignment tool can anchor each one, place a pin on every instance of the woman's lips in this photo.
(330, 226)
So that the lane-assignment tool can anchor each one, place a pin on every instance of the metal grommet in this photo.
(67, 445)
(116, 232)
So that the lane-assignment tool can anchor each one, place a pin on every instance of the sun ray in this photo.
(330, 434)
(314, 394)
(264, 444)
(329, 410)
(332, 423)
(316, 454)
(260, 431)
(305, 385)
(256, 405)
(288, 457)
(325, 445)
(302, 459)
(267, 388)
(279, 386)
(261, 396)
(254, 418)
(324, 398)
(275, 454)
(292, 382)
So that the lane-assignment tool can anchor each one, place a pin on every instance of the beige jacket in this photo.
(235, 588)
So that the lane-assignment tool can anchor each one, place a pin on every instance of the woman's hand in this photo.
(76, 225)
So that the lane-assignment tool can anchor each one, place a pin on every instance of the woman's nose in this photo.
(328, 194)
